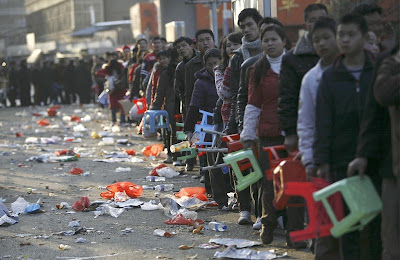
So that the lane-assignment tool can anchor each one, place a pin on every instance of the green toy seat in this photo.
(193, 153)
(244, 181)
(180, 135)
(362, 201)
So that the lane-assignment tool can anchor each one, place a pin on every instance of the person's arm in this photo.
(252, 112)
(161, 92)
(324, 123)
(179, 82)
(387, 84)
(306, 122)
(234, 64)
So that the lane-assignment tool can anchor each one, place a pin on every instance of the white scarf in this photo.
(254, 45)
(275, 63)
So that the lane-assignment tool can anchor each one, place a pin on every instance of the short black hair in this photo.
(313, 7)
(366, 8)
(270, 20)
(163, 39)
(249, 12)
(202, 31)
(183, 39)
(356, 19)
(235, 37)
(212, 53)
(162, 53)
(141, 39)
(156, 38)
(325, 23)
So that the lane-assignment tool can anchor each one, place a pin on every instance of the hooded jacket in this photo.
(204, 97)
(295, 64)
(339, 111)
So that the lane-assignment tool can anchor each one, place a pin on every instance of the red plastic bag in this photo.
(81, 205)
(75, 118)
(43, 122)
(76, 171)
(153, 150)
(51, 112)
(131, 189)
(181, 220)
(64, 152)
(130, 152)
(193, 192)
(154, 171)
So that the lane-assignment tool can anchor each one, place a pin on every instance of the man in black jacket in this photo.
(185, 47)
(339, 111)
(295, 64)
(251, 45)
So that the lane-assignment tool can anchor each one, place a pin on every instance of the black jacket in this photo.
(235, 63)
(374, 141)
(242, 96)
(191, 68)
(295, 64)
(339, 111)
(179, 83)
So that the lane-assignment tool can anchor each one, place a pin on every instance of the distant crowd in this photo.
(333, 96)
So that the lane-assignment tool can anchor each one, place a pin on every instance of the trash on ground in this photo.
(95, 135)
(113, 160)
(128, 204)
(155, 178)
(19, 206)
(6, 218)
(64, 247)
(149, 206)
(154, 172)
(188, 202)
(108, 210)
(209, 246)
(122, 169)
(130, 152)
(186, 247)
(193, 192)
(239, 243)
(198, 230)
(162, 233)
(234, 253)
(63, 205)
(80, 240)
(181, 220)
(82, 204)
(32, 208)
(131, 189)
(153, 150)
(74, 223)
(167, 172)
(79, 128)
(76, 171)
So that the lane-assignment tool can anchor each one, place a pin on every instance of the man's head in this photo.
(372, 14)
(323, 36)
(204, 40)
(142, 44)
(126, 51)
(157, 44)
(269, 21)
(351, 34)
(248, 20)
(211, 59)
(164, 43)
(184, 46)
(312, 13)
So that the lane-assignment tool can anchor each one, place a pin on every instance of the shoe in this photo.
(189, 167)
(245, 218)
(169, 160)
(202, 179)
(177, 163)
(257, 225)
(295, 245)
(267, 234)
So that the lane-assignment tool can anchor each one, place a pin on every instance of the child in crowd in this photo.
(261, 118)
(166, 99)
(339, 110)
(204, 97)
(323, 36)
(371, 44)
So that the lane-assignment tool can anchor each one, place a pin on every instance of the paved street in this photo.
(36, 236)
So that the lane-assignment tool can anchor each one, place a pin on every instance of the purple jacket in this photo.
(204, 97)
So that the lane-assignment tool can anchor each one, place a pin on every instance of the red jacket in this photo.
(265, 96)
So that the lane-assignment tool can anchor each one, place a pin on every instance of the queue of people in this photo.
(334, 97)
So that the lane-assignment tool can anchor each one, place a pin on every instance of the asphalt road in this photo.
(36, 236)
